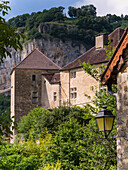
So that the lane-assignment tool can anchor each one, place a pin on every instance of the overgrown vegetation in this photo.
(4, 103)
(5, 120)
(74, 143)
(81, 25)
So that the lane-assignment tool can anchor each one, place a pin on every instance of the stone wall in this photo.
(122, 121)
(48, 98)
(81, 84)
(24, 88)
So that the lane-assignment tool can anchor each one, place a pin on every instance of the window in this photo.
(33, 77)
(55, 96)
(34, 97)
(73, 93)
(73, 74)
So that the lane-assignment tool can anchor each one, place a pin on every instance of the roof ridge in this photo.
(47, 58)
(42, 57)
(24, 58)
(119, 28)
(69, 65)
(79, 56)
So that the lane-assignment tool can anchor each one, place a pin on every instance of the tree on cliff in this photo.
(9, 38)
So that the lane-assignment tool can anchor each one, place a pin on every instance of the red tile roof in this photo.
(95, 56)
(116, 61)
(52, 77)
(37, 60)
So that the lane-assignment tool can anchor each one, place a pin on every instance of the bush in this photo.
(39, 119)
(81, 147)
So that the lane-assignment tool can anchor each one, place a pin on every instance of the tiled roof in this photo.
(52, 77)
(37, 60)
(95, 56)
(116, 61)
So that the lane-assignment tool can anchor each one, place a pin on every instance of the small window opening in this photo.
(33, 77)
(34, 97)
(55, 96)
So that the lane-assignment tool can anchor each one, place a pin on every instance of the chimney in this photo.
(101, 40)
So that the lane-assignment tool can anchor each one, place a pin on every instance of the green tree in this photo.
(9, 38)
(72, 11)
(59, 16)
(81, 147)
(4, 103)
(19, 21)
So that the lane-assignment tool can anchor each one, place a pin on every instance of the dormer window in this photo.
(33, 77)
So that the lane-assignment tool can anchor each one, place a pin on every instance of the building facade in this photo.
(75, 83)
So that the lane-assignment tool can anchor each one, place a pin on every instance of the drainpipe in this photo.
(59, 93)
(69, 88)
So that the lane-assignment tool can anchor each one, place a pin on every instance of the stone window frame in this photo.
(73, 93)
(34, 97)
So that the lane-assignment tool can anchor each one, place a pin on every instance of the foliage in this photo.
(27, 155)
(9, 38)
(5, 120)
(84, 23)
(76, 142)
(82, 147)
(4, 103)
(52, 166)
(5, 124)
(74, 146)
(39, 119)
(103, 98)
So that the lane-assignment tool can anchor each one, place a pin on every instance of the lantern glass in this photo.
(105, 120)
(109, 123)
(100, 124)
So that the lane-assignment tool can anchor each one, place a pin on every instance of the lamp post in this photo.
(105, 120)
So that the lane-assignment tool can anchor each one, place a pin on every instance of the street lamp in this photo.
(105, 120)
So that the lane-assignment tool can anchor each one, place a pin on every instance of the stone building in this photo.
(33, 81)
(37, 80)
(117, 73)
(74, 81)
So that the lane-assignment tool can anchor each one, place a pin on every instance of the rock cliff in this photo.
(60, 52)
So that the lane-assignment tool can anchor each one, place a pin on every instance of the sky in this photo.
(19, 7)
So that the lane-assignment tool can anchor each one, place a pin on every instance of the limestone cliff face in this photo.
(60, 52)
